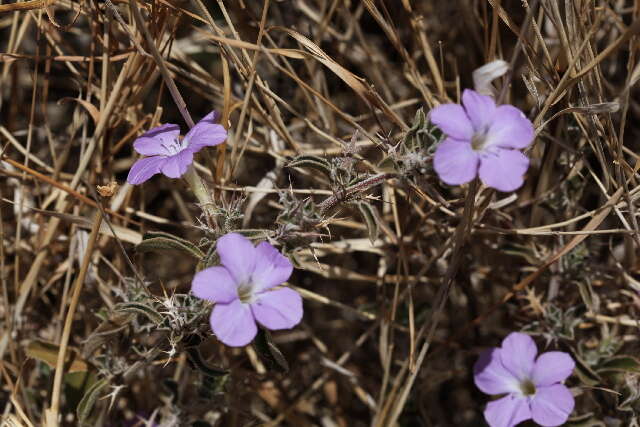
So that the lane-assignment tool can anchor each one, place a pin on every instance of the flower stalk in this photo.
(199, 189)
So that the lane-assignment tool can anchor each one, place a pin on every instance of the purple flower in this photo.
(532, 386)
(484, 139)
(241, 288)
(168, 153)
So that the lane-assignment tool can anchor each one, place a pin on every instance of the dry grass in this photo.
(405, 279)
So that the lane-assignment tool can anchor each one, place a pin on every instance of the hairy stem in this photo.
(347, 193)
(199, 189)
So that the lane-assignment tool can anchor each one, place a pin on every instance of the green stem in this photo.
(199, 189)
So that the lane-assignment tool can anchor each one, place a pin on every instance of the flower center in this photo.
(245, 293)
(478, 141)
(173, 146)
(528, 388)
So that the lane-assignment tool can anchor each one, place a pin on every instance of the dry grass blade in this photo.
(332, 159)
(52, 414)
(356, 83)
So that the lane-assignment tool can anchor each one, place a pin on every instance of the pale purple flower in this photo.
(482, 139)
(533, 387)
(168, 153)
(242, 290)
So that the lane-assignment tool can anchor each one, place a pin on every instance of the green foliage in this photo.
(89, 399)
(159, 241)
(370, 217)
(269, 353)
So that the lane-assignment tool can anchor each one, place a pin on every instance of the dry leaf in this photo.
(107, 190)
(48, 353)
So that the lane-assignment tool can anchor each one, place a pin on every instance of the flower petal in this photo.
(552, 367)
(455, 162)
(144, 169)
(551, 406)
(238, 255)
(510, 128)
(503, 169)
(507, 412)
(517, 354)
(207, 132)
(233, 323)
(491, 377)
(453, 121)
(214, 284)
(155, 141)
(272, 268)
(178, 164)
(279, 309)
(480, 109)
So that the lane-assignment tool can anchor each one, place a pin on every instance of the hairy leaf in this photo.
(48, 353)
(164, 241)
(369, 214)
(89, 399)
(196, 359)
(134, 307)
(269, 353)
(314, 162)
(620, 364)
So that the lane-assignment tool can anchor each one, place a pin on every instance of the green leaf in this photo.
(411, 140)
(48, 353)
(419, 120)
(253, 233)
(586, 375)
(158, 241)
(87, 402)
(619, 364)
(631, 394)
(588, 296)
(137, 308)
(212, 386)
(388, 164)
(314, 162)
(76, 385)
(585, 420)
(154, 234)
(196, 359)
(369, 214)
(114, 324)
(269, 353)
(209, 259)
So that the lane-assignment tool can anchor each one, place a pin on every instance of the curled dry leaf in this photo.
(107, 190)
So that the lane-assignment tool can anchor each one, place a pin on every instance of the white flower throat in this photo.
(174, 146)
(479, 139)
